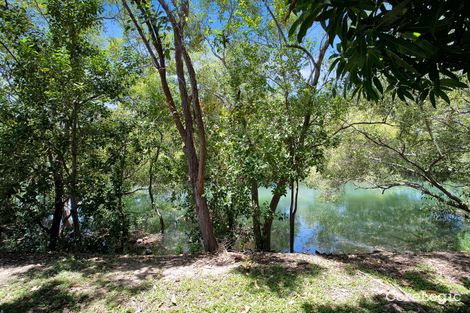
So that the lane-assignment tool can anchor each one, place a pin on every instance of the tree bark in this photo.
(292, 212)
(120, 193)
(59, 193)
(256, 216)
(205, 224)
(268, 221)
(150, 189)
(291, 218)
(196, 163)
(75, 62)
(74, 173)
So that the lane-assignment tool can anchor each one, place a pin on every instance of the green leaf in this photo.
(378, 84)
(442, 95)
(306, 24)
(453, 83)
(432, 98)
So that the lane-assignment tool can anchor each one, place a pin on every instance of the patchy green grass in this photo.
(233, 282)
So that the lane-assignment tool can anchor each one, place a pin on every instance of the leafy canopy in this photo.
(418, 48)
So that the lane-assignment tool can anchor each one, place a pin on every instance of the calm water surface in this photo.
(357, 221)
(365, 220)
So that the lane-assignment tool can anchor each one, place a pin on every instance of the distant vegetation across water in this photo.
(355, 221)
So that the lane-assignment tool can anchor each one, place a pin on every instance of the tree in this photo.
(395, 144)
(152, 25)
(275, 114)
(58, 84)
(155, 129)
(414, 47)
(69, 21)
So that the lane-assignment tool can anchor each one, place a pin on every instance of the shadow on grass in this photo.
(422, 280)
(59, 294)
(379, 304)
(406, 270)
(119, 292)
(104, 278)
(53, 296)
(279, 275)
(465, 282)
(113, 279)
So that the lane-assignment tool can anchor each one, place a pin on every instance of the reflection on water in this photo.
(357, 221)
(177, 234)
(363, 221)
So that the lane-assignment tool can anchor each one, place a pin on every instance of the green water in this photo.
(365, 220)
(357, 221)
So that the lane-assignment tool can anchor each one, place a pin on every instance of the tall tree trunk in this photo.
(119, 194)
(59, 193)
(291, 218)
(256, 216)
(196, 162)
(292, 212)
(231, 217)
(204, 219)
(76, 64)
(124, 222)
(154, 46)
(74, 173)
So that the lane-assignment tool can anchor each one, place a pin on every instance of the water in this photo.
(177, 234)
(366, 220)
(357, 221)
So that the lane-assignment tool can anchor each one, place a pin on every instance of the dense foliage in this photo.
(415, 47)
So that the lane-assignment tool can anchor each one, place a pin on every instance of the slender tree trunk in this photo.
(196, 163)
(256, 216)
(231, 217)
(124, 221)
(157, 211)
(268, 221)
(205, 224)
(74, 173)
(204, 219)
(150, 189)
(292, 212)
(76, 70)
(66, 215)
(59, 193)
(119, 194)
(291, 218)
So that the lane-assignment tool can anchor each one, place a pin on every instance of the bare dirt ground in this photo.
(454, 266)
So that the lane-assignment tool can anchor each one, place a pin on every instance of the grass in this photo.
(224, 283)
